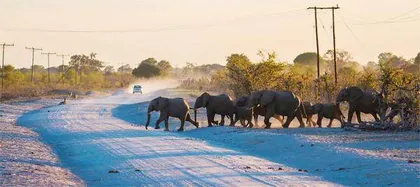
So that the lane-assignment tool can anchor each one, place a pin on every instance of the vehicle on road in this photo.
(137, 89)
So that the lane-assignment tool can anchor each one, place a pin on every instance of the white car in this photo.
(137, 89)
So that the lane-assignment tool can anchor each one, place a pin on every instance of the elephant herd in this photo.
(267, 103)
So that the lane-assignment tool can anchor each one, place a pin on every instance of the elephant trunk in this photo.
(195, 115)
(148, 119)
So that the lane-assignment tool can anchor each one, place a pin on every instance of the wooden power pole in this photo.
(4, 45)
(335, 53)
(317, 43)
(33, 54)
(62, 65)
(48, 58)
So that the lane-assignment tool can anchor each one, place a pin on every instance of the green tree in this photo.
(417, 60)
(309, 59)
(146, 69)
(125, 69)
(394, 60)
(164, 66)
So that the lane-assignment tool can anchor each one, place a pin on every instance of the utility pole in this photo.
(335, 53)
(33, 54)
(316, 31)
(317, 42)
(62, 65)
(2, 66)
(48, 56)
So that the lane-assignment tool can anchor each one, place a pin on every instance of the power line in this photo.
(403, 14)
(162, 29)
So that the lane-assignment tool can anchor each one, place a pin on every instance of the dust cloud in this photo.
(154, 84)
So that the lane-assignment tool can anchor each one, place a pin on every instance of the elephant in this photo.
(309, 112)
(242, 113)
(219, 104)
(170, 107)
(360, 101)
(256, 111)
(278, 102)
(330, 110)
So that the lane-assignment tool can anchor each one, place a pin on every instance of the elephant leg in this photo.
(359, 119)
(288, 121)
(319, 121)
(350, 115)
(210, 118)
(222, 121)
(268, 114)
(313, 123)
(162, 117)
(232, 122)
(299, 117)
(256, 120)
(250, 125)
(330, 123)
(375, 116)
(243, 123)
(167, 124)
(182, 125)
(191, 121)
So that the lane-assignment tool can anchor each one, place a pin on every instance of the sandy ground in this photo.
(24, 159)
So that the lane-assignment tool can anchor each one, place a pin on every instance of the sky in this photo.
(202, 31)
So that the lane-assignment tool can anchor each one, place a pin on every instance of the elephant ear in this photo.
(206, 99)
(355, 93)
(266, 98)
(162, 103)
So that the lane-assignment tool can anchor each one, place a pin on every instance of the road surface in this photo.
(103, 141)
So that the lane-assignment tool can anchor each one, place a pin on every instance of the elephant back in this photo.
(287, 103)
(221, 104)
(242, 101)
(178, 106)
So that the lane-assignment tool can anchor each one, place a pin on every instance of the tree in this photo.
(394, 60)
(239, 74)
(150, 61)
(125, 69)
(309, 59)
(343, 59)
(164, 67)
(417, 60)
(146, 69)
(109, 70)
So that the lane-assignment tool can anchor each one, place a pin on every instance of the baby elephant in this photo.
(330, 111)
(308, 113)
(242, 113)
(176, 107)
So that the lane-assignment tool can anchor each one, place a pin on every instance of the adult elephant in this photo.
(278, 102)
(255, 112)
(176, 107)
(359, 101)
(219, 104)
